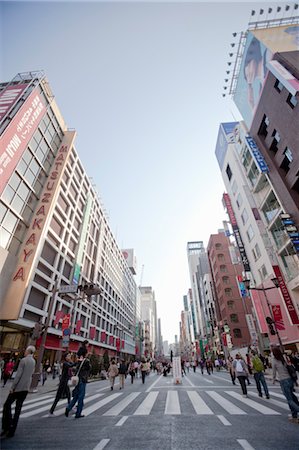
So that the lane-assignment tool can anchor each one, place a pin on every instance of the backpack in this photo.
(257, 364)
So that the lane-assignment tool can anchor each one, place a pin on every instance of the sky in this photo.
(142, 84)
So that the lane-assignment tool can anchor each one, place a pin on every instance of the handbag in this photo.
(75, 378)
(292, 372)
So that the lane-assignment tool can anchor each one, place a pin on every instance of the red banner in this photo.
(92, 332)
(224, 340)
(103, 336)
(78, 326)
(122, 344)
(277, 314)
(58, 317)
(118, 344)
(66, 322)
(111, 340)
(286, 296)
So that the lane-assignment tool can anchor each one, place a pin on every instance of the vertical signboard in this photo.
(11, 304)
(251, 328)
(15, 138)
(277, 315)
(259, 310)
(286, 297)
(176, 370)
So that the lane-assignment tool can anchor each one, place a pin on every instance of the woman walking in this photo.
(132, 371)
(279, 366)
(63, 389)
(112, 373)
(241, 372)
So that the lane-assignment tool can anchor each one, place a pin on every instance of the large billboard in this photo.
(225, 137)
(15, 138)
(9, 96)
(259, 50)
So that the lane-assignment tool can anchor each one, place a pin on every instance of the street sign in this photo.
(68, 289)
(176, 370)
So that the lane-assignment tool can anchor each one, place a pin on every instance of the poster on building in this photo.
(277, 315)
(252, 330)
(176, 370)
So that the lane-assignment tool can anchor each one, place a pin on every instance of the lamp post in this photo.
(270, 320)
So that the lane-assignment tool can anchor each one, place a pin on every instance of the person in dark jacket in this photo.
(81, 351)
(63, 388)
(83, 371)
(122, 373)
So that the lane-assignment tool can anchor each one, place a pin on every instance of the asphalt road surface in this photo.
(204, 412)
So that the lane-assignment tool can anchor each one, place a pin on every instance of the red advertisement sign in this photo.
(66, 322)
(78, 326)
(259, 310)
(286, 296)
(9, 96)
(15, 138)
(122, 344)
(92, 332)
(58, 316)
(224, 340)
(103, 336)
(277, 315)
(118, 344)
(111, 340)
(230, 210)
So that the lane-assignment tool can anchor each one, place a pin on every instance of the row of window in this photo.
(291, 99)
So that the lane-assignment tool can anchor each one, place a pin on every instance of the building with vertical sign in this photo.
(53, 227)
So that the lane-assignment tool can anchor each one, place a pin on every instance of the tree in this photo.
(106, 360)
(95, 366)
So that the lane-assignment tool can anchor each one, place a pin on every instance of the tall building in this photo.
(258, 159)
(149, 316)
(55, 235)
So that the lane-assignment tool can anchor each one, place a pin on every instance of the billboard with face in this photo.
(259, 50)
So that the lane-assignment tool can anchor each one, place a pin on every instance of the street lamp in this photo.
(270, 320)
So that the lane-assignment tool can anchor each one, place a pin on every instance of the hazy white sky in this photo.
(142, 84)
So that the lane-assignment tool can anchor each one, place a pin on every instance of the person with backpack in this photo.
(241, 372)
(258, 373)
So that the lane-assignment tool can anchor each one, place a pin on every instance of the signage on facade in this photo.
(251, 328)
(259, 159)
(15, 138)
(286, 296)
(9, 96)
(66, 322)
(259, 305)
(68, 289)
(277, 315)
(12, 303)
(176, 370)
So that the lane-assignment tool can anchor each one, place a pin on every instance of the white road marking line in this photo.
(257, 406)
(33, 400)
(117, 409)
(226, 404)
(223, 420)
(189, 381)
(281, 395)
(98, 405)
(146, 406)
(172, 403)
(270, 400)
(198, 404)
(209, 381)
(61, 411)
(102, 444)
(121, 421)
(222, 379)
(154, 383)
(39, 410)
(245, 444)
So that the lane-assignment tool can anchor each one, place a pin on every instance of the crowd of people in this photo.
(75, 372)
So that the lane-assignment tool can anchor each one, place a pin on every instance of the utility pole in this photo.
(41, 350)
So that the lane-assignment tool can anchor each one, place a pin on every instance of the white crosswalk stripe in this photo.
(171, 402)
(28, 402)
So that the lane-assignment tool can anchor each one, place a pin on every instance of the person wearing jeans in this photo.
(258, 373)
(240, 369)
(83, 371)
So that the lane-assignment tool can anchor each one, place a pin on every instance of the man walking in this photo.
(122, 373)
(258, 373)
(18, 392)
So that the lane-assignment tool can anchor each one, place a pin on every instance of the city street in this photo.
(204, 412)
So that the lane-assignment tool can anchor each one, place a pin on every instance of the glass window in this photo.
(3, 210)
(223, 268)
(231, 304)
(253, 174)
(10, 221)
(278, 233)
(17, 204)
(250, 233)
(14, 181)
(263, 272)
(4, 238)
(278, 85)
(8, 194)
(228, 172)
(246, 158)
(292, 101)
(228, 292)
(271, 207)
(256, 252)
(234, 318)
(244, 216)
(239, 200)
(234, 187)
(237, 333)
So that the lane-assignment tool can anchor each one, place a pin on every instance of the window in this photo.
(253, 174)
(36, 298)
(292, 101)
(234, 187)
(223, 268)
(229, 172)
(244, 216)
(278, 86)
(228, 292)
(256, 252)
(225, 280)
(237, 333)
(239, 200)
(230, 304)
(287, 160)
(218, 246)
(275, 142)
(250, 233)
(263, 130)
(234, 318)
(221, 257)
(263, 272)
(270, 207)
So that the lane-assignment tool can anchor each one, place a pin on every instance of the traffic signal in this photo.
(270, 323)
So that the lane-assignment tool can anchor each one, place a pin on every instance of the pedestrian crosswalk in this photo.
(172, 402)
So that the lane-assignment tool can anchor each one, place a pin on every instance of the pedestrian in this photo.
(241, 372)
(258, 373)
(82, 349)
(136, 367)
(2, 363)
(122, 373)
(63, 388)
(18, 392)
(248, 362)
(132, 371)
(217, 365)
(202, 365)
(231, 369)
(188, 365)
(194, 365)
(279, 366)
(112, 373)
(8, 370)
(143, 368)
(46, 370)
(83, 371)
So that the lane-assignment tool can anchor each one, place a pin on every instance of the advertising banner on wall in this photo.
(261, 310)
(9, 96)
(225, 137)
(286, 297)
(11, 304)
(16, 137)
(277, 315)
(129, 256)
